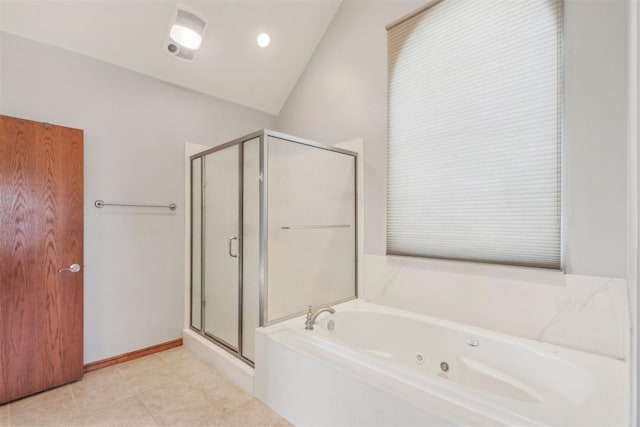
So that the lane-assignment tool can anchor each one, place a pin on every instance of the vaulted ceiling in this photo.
(229, 65)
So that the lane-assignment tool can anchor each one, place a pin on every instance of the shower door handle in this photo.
(231, 254)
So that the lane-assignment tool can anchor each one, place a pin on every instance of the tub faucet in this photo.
(313, 315)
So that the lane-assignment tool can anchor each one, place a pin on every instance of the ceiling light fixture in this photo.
(186, 31)
(185, 36)
(264, 40)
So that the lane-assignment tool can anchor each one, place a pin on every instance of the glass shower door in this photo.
(223, 249)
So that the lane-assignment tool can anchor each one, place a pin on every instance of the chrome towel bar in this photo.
(101, 204)
(297, 227)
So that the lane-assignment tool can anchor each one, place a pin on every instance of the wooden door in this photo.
(41, 232)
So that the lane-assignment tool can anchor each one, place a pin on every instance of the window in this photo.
(474, 122)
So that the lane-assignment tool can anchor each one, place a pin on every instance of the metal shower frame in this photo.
(263, 233)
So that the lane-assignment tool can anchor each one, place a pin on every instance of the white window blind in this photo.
(474, 126)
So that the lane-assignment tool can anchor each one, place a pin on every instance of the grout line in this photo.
(146, 408)
(73, 395)
(121, 374)
(149, 411)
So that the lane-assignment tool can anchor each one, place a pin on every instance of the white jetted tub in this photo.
(372, 365)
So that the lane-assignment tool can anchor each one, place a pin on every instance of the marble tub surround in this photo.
(581, 312)
(171, 388)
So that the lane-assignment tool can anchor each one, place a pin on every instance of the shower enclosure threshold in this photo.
(227, 364)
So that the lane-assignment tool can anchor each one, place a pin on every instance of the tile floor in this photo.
(171, 388)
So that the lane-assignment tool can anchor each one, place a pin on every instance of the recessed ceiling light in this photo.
(264, 40)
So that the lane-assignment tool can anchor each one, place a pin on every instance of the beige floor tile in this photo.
(44, 398)
(60, 412)
(177, 404)
(130, 412)
(221, 392)
(172, 388)
(174, 394)
(56, 422)
(189, 369)
(207, 378)
(147, 421)
(253, 413)
(178, 354)
(192, 417)
(140, 366)
(99, 378)
(97, 397)
(154, 379)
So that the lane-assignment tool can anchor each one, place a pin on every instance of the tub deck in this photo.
(319, 377)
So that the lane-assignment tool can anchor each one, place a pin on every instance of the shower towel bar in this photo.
(295, 227)
(101, 204)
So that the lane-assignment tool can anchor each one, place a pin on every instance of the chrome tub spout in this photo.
(312, 315)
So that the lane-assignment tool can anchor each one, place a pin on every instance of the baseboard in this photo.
(99, 364)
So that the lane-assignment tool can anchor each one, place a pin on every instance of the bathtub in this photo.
(373, 365)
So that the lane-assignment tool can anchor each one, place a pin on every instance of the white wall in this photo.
(135, 130)
(342, 95)
(595, 149)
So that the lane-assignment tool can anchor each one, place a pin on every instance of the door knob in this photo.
(74, 268)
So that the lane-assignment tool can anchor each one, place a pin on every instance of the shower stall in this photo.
(273, 231)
